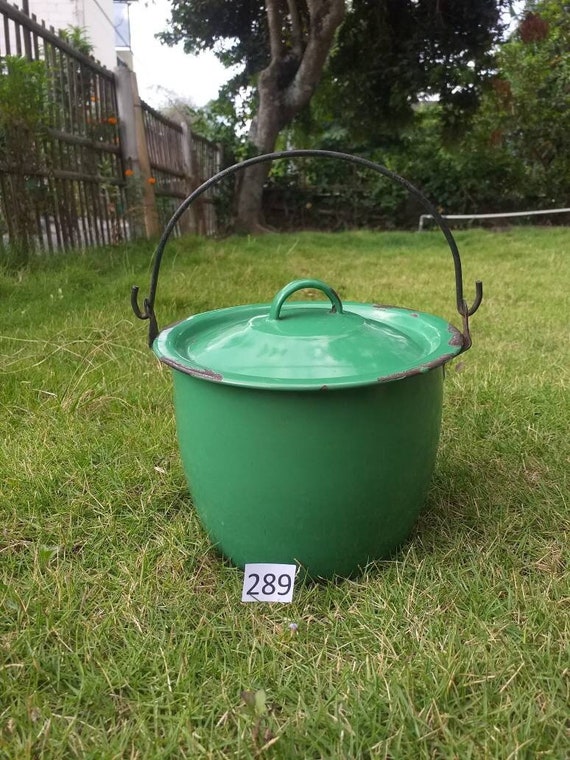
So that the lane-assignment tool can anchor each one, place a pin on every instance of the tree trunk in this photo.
(263, 135)
(285, 87)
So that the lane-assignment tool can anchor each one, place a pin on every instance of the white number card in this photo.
(265, 582)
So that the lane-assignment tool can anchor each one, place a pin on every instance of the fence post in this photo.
(134, 150)
(26, 32)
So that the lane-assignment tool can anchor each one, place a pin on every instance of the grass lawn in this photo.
(122, 634)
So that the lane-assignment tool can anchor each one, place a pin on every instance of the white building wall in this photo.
(94, 16)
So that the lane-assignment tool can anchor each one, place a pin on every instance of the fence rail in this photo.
(71, 172)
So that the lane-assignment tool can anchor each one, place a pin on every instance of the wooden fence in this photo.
(179, 161)
(82, 160)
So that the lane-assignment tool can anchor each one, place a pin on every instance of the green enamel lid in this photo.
(308, 346)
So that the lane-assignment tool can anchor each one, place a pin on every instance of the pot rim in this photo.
(451, 344)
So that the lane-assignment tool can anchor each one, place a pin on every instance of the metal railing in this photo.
(504, 215)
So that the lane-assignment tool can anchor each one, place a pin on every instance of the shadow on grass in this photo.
(466, 501)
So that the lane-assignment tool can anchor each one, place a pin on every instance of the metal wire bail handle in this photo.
(147, 312)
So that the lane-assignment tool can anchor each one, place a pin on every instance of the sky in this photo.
(164, 73)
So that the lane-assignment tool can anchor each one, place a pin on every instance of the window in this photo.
(122, 24)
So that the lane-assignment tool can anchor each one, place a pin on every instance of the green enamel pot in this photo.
(308, 431)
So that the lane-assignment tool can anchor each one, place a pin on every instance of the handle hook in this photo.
(148, 313)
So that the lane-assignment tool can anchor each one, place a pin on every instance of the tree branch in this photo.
(274, 22)
(296, 31)
(325, 18)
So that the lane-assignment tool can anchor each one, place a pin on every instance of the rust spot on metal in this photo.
(420, 370)
(207, 374)
(436, 362)
(456, 337)
(204, 374)
(399, 375)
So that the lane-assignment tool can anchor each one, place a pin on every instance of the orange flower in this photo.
(151, 181)
(129, 172)
(112, 120)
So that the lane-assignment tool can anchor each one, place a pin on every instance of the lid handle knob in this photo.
(293, 287)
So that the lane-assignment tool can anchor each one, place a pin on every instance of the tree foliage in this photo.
(390, 53)
(387, 52)
(383, 56)
(526, 113)
(515, 156)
